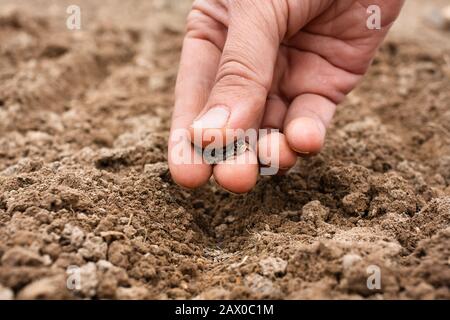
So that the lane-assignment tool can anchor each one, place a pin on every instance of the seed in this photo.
(216, 155)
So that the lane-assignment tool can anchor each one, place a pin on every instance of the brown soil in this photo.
(84, 119)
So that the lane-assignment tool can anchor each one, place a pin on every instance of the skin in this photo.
(281, 64)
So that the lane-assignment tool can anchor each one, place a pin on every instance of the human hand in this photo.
(279, 64)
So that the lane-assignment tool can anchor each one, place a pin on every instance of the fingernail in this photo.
(215, 118)
(303, 153)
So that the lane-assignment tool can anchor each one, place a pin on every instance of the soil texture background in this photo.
(84, 182)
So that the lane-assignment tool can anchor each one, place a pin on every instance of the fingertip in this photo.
(305, 135)
(274, 150)
(238, 175)
(186, 166)
(191, 176)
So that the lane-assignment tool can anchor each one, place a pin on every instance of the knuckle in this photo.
(270, 16)
(234, 83)
(202, 23)
(198, 21)
(240, 69)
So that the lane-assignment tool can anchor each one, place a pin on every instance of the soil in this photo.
(84, 182)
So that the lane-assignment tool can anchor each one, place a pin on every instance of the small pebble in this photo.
(349, 260)
(439, 18)
(6, 293)
(273, 266)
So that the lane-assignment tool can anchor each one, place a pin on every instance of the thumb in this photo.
(245, 72)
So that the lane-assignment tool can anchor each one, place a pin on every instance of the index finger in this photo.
(198, 67)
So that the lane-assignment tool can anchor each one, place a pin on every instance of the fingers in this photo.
(275, 154)
(238, 174)
(306, 122)
(273, 148)
(187, 167)
(275, 112)
(245, 71)
(238, 98)
(304, 131)
(198, 68)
